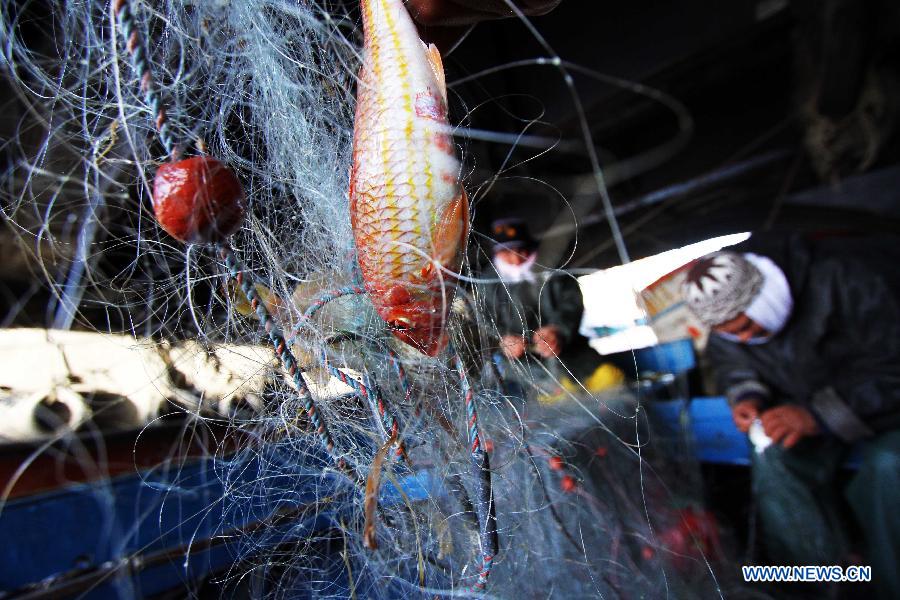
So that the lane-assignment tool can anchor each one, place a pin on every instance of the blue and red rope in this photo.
(140, 62)
(370, 394)
(288, 360)
(483, 503)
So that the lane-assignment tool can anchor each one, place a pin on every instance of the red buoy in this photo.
(568, 483)
(198, 200)
(556, 463)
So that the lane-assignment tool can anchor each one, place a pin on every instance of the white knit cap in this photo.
(772, 306)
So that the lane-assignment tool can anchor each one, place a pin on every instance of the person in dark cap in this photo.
(537, 314)
(805, 343)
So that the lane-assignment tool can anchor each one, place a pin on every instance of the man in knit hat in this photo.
(805, 343)
(537, 315)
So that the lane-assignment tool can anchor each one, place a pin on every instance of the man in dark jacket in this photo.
(537, 315)
(806, 345)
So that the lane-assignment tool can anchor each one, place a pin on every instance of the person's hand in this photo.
(443, 22)
(744, 412)
(547, 342)
(513, 346)
(789, 424)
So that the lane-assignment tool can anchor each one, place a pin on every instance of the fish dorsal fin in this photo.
(437, 67)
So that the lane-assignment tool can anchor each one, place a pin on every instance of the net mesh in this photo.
(267, 89)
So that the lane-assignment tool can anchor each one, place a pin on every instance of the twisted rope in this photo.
(392, 357)
(366, 391)
(283, 352)
(483, 505)
(481, 469)
(371, 396)
(140, 62)
(394, 361)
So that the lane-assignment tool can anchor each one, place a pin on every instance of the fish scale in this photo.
(408, 210)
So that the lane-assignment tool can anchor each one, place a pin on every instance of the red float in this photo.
(692, 537)
(198, 200)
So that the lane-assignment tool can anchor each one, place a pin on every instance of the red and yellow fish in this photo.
(408, 208)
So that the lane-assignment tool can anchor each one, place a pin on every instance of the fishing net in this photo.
(267, 88)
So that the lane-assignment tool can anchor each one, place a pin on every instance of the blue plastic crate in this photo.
(670, 357)
(707, 421)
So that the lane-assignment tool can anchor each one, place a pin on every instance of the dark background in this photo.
(790, 103)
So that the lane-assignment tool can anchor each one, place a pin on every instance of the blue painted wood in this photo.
(170, 507)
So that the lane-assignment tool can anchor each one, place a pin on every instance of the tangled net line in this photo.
(266, 87)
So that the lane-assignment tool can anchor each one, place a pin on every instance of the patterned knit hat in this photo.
(720, 286)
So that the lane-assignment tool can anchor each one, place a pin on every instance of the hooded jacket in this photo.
(839, 353)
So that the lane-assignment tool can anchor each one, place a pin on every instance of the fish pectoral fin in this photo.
(451, 230)
(437, 67)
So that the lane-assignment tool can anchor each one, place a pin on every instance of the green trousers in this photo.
(799, 507)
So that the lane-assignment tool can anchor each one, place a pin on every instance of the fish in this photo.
(408, 208)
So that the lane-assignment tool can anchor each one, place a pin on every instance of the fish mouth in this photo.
(421, 329)
(426, 341)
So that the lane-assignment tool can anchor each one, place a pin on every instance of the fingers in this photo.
(771, 417)
(791, 439)
(771, 420)
(782, 426)
(779, 431)
(546, 342)
(743, 413)
(542, 350)
(742, 422)
(512, 346)
(788, 424)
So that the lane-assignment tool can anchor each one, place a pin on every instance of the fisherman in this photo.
(537, 315)
(806, 344)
